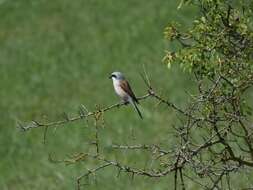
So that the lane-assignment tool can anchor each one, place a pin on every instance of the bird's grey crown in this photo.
(118, 75)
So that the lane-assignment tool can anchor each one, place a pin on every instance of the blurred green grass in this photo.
(57, 55)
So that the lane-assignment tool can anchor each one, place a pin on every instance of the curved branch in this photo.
(36, 124)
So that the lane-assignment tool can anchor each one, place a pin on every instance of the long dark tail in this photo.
(137, 109)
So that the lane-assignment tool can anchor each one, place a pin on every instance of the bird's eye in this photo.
(113, 76)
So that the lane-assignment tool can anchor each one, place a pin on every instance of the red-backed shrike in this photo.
(124, 91)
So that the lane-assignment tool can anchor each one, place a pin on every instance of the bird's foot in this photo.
(125, 102)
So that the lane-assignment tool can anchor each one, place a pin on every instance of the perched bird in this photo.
(124, 91)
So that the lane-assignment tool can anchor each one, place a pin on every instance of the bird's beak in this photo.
(110, 77)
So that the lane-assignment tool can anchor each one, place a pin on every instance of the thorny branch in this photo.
(82, 115)
(189, 153)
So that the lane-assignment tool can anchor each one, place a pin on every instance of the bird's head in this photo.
(117, 76)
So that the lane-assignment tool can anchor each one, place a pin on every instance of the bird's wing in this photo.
(126, 87)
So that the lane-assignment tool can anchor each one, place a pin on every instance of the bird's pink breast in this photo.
(120, 92)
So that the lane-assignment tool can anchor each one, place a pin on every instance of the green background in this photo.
(55, 56)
